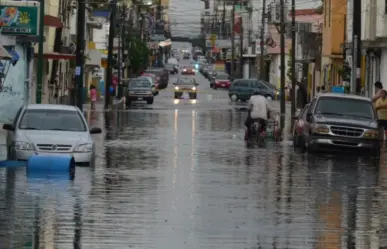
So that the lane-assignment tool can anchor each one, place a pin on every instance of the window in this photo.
(236, 84)
(345, 107)
(142, 83)
(244, 83)
(59, 120)
(17, 116)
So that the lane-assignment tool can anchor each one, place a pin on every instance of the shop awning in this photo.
(4, 55)
(57, 56)
(52, 21)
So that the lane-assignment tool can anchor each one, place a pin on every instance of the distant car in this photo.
(342, 122)
(298, 126)
(139, 89)
(162, 76)
(50, 129)
(152, 80)
(188, 70)
(243, 89)
(172, 69)
(186, 84)
(221, 80)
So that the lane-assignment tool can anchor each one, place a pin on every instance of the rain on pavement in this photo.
(177, 174)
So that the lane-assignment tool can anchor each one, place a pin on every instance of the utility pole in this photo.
(223, 32)
(293, 62)
(282, 67)
(39, 80)
(354, 65)
(109, 74)
(80, 52)
(262, 42)
(119, 55)
(123, 32)
(232, 39)
(241, 50)
(356, 41)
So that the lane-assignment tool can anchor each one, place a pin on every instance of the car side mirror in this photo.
(95, 130)
(309, 117)
(8, 127)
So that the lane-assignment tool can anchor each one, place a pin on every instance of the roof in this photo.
(51, 107)
(340, 95)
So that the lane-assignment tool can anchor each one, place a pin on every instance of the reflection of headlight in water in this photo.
(196, 66)
(176, 88)
(176, 101)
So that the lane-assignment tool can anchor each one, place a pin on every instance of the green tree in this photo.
(138, 52)
(289, 64)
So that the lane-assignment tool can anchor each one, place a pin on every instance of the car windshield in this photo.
(169, 66)
(222, 76)
(140, 83)
(55, 120)
(185, 81)
(345, 107)
(157, 73)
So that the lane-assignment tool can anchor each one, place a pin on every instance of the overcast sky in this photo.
(185, 14)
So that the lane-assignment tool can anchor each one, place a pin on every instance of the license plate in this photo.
(139, 98)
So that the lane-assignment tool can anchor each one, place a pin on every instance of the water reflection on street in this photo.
(178, 175)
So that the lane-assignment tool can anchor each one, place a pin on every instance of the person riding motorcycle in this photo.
(259, 110)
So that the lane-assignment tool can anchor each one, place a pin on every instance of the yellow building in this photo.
(334, 31)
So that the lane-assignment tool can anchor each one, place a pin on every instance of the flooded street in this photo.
(177, 174)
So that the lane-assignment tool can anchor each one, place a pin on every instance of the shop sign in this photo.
(19, 20)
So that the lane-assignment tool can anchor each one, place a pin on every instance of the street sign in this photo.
(78, 71)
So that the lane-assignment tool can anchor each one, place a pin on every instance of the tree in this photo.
(289, 64)
(138, 52)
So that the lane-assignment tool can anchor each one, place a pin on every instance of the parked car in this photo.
(152, 80)
(243, 89)
(221, 80)
(162, 76)
(298, 126)
(338, 121)
(186, 84)
(50, 129)
(188, 70)
(139, 89)
(172, 68)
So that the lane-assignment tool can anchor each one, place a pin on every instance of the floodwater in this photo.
(177, 174)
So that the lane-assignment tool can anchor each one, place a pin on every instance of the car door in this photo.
(307, 124)
(261, 88)
(246, 89)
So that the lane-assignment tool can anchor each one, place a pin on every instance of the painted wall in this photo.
(275, 73)
(333, 26)
(12, 98)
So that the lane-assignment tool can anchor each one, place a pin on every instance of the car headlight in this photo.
(22, 146)
(194, 88)
(371, 134)
(322, 129)
(84, 148)
(176, 88)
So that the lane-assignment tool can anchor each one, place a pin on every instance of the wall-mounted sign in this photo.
(19, 20)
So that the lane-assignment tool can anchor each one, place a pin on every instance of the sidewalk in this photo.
(100, 105)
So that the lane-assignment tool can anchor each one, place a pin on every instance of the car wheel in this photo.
(177, 96)
(268, 97)
(150, 101)
(233, 97)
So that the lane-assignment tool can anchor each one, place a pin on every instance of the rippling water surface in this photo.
(178, 175)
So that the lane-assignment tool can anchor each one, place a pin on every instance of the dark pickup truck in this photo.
(341, 122)
(162, 76)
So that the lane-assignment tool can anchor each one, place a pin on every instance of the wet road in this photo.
(178, 175)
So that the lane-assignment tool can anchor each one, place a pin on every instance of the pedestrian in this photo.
(93, 96)
(381, 108)
(378, 88)
(302, 96)
(323, 89)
